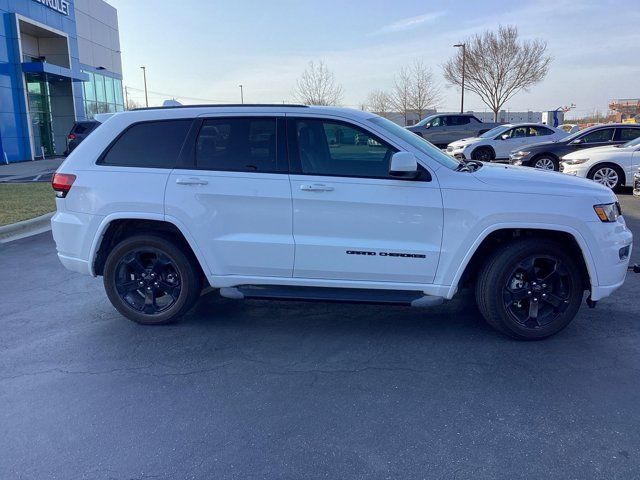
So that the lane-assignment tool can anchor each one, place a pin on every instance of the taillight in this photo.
(71, 136)
(61, 183)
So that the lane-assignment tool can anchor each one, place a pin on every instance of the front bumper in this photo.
(614, 243)
(575, 170)
(519, 160)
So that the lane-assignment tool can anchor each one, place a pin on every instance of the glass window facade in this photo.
(102, 94)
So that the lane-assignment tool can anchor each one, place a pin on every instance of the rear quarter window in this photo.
(148, 144)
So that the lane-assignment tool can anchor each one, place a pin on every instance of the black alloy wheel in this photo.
(532, 288)
(151, 279)
(148, 281)
(537, 291)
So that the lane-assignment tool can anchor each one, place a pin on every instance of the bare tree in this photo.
(379, 102)
(424, 91)
(401, 92)
(317, 86)
(498, 65)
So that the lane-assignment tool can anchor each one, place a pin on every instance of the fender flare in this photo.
(159, 217)
(584, 248)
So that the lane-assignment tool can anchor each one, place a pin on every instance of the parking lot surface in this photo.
(260, 389)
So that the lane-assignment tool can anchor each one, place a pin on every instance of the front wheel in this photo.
(546, 163)
(607, 175)
(530, 289)
(150, 280)
(483, 154)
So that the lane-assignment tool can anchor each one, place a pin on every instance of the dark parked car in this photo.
(636, 183)
(544, 155)
(78, 133)
(443, 128)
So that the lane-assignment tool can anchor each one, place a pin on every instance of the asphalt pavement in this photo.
(260, 389)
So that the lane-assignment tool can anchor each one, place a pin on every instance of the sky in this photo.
(201, 50)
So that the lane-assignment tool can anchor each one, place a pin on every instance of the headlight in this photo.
(517, 162)
(608, 212)
(575, 161)
(521, 154)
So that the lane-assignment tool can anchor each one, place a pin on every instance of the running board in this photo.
(327, 294)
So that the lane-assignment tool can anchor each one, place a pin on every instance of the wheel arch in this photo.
(497, 235)
(545, 154)
(116, 227)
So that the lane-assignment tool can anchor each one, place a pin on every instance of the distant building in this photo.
(625, 109)
(59, 62)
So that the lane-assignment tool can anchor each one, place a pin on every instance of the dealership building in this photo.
(59, 62)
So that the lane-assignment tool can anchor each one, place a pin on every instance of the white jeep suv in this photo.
(289, 202)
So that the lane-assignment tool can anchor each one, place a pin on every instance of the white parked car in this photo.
(257, 201)
(612, 166)
(497, 143)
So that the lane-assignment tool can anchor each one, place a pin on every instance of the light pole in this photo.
(464, 51)
(241, 94)
(146, 96)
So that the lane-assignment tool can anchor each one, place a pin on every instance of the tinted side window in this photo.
(518, 132)
(332, 148)
(603, 135)
(83, 127)
(626, 134)
(539, 131)
(149, 144)
(237, 145)
(457, 120)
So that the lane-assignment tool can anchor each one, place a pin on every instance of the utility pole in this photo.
(241, 94)
(126, 97)
(464, 55)
(146, 96)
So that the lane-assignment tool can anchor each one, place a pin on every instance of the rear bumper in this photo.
(75, 264)
(73, 233)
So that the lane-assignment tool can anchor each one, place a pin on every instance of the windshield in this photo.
(424, 121)
(495, 131)
(632, 143)
(417, 142)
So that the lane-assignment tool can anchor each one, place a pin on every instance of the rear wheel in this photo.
(530, 289)
(483, 154)
(149, 280)
(546, 163)
(607, 174)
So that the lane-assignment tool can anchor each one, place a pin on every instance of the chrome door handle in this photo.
(315, 187)
(191, 181)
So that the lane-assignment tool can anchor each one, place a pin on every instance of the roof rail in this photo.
(222, 105)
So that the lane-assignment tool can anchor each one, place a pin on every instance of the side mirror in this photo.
(404, 165)
(427, 125)
(577, 141)
(505, 136)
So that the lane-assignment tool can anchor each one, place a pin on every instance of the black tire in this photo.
(511, 288)
(140, 263)
(484, 154)
(544, 162)
(599, 172)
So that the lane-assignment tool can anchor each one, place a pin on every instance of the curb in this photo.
(26, 228)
